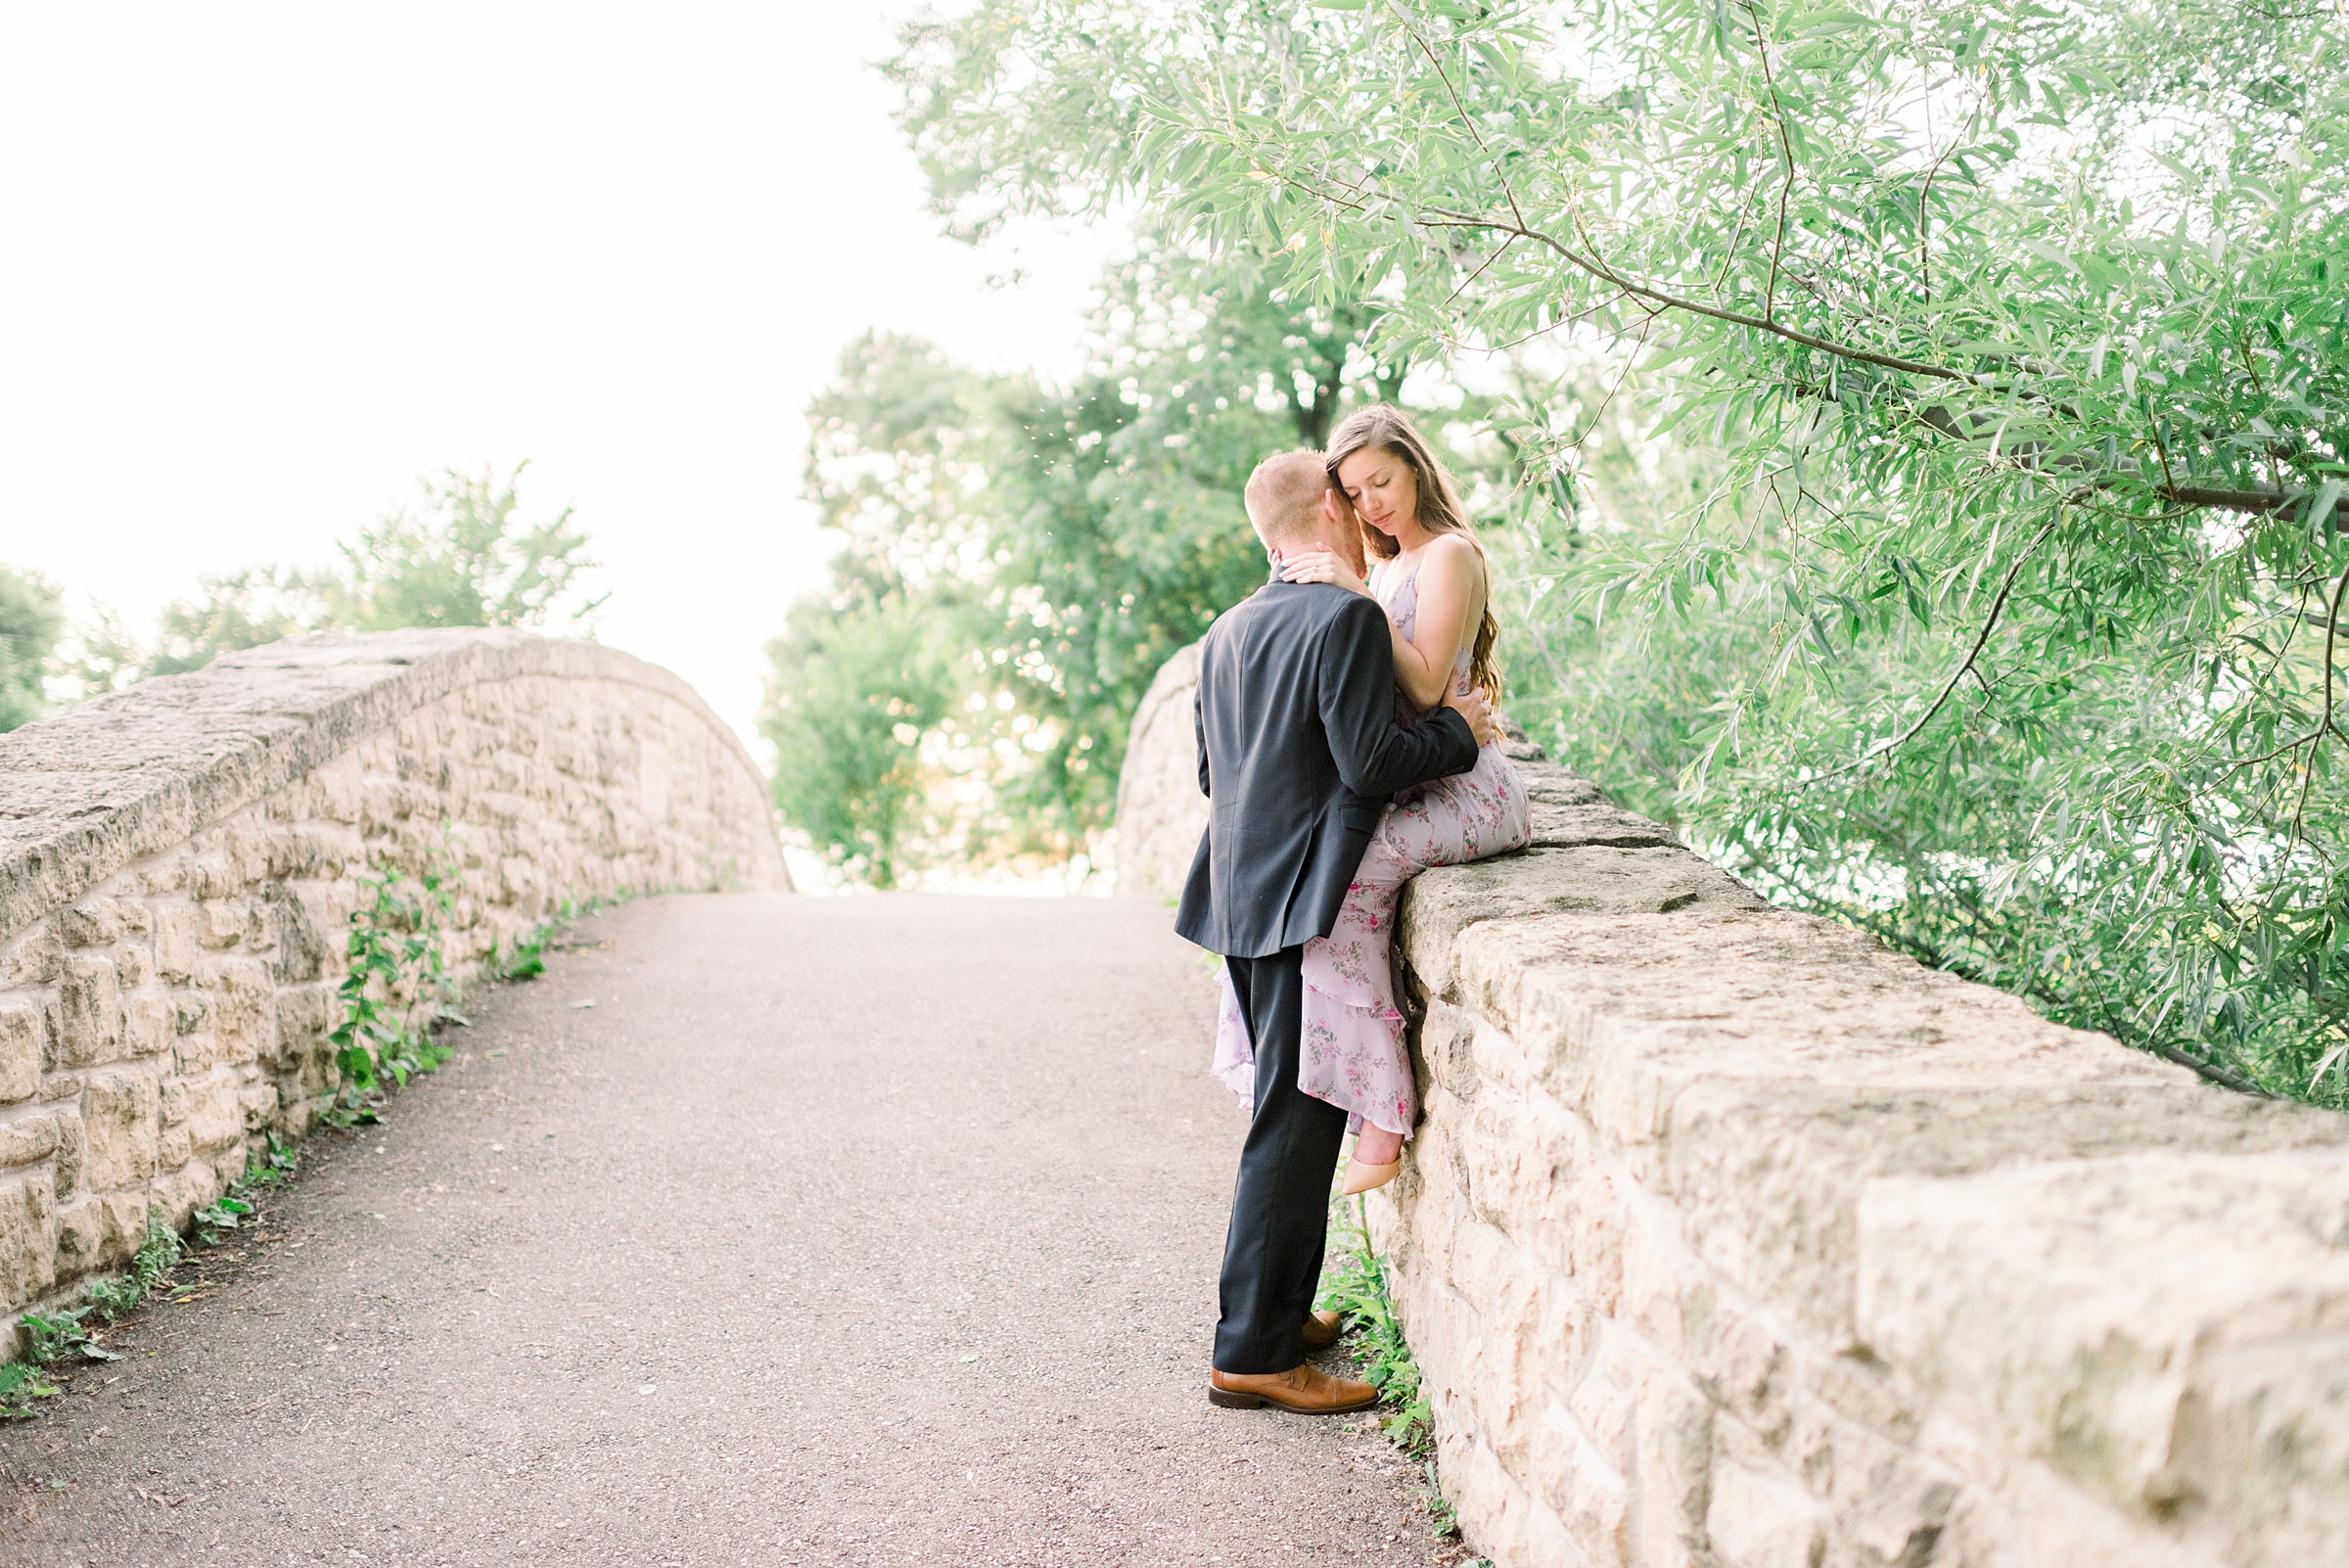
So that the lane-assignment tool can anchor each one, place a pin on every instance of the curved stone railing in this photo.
(1731, 1238)
(179, 864)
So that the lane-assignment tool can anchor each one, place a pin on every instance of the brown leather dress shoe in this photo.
(1304, 1388)
(1321, 1331)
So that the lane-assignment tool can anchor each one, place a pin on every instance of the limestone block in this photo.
(307, 850)
(177, 1195)
(73, 1145)
(305, 1013)
(1161, 812)
(2286, 1402)
(27, 1239)
(335, 790)
(1596, 878)
(173, 1149)
(123, 1125)
(173, 1099)
(81, 1230)
(1672, 1454)
(91, 923)
(135, 960)
(243, 1019)
(149, 1025)
(1588, 1494)
(1606, 1414)
(2069, 1308)
(1511, 1525)
(34, 959)
(125, 1224)
(23, 1046)
(215, 1118)
(212, 876)
(26, 1138)
(1764, 1521)
(257, 1104)
(90, 1008)
(222, 922)
(1660, 1278)
(167, 873)
(178, 940)
(1889, 1503)
(313, 928)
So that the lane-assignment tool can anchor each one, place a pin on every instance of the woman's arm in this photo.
(1449, 574)
(1448, 578)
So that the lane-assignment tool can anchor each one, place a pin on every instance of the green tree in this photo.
(240, 609)
(2006, 342)
(30, 622)
(468, 560)
(1061, 543)
(853, 691)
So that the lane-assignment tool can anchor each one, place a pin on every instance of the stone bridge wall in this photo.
(1732, 1241)
(179, 863)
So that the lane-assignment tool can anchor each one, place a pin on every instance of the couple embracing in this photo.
(1345, 744)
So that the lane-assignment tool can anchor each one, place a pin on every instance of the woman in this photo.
(1431, 580)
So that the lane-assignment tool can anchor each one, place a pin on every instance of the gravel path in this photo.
(869, 1230)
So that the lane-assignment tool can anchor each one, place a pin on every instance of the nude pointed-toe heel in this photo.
(1361, 1177)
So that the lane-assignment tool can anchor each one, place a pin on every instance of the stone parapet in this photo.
(1731, 1240)
(179, 863)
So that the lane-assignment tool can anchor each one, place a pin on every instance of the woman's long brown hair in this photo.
(1390, 430)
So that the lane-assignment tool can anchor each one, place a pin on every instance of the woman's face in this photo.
(1382, 490)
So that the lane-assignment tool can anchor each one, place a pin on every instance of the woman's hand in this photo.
(1471, 705)
(1321, 566)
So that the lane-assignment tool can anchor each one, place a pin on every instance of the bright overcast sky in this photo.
(269, 265)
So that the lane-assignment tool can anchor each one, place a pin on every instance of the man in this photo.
(1299, 748)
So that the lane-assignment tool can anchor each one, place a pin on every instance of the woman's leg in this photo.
(1354, 1054)
(1375, 1145)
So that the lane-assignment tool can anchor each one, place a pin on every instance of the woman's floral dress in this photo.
(1354, 1054)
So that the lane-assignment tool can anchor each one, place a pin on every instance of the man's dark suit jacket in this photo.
(1297, 749)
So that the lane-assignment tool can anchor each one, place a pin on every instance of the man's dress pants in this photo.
(1281, 1210)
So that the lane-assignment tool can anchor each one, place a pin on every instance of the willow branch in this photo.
(1777, 110)
(1990, 623)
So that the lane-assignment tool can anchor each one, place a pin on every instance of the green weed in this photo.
(528, 961)
(149, 1267)
(1356, 1285)
(395, 966)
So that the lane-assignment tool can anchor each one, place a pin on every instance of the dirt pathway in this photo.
(837, 1230)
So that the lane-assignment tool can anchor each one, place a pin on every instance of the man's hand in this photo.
(1472, 705)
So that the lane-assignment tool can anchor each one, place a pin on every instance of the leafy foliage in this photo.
(469, 560)
(466, 557)
(1355, 1286)
(853, 690)
(396, 972)
(1021, 559)
(240, 609)
(30, 621)
(2006, 344)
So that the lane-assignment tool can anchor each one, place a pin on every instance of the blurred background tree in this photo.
(30, 620)
(1060, 543)
(1917, 434)
(465, 557)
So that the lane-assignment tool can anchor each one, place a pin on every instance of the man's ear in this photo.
(1331, 502)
